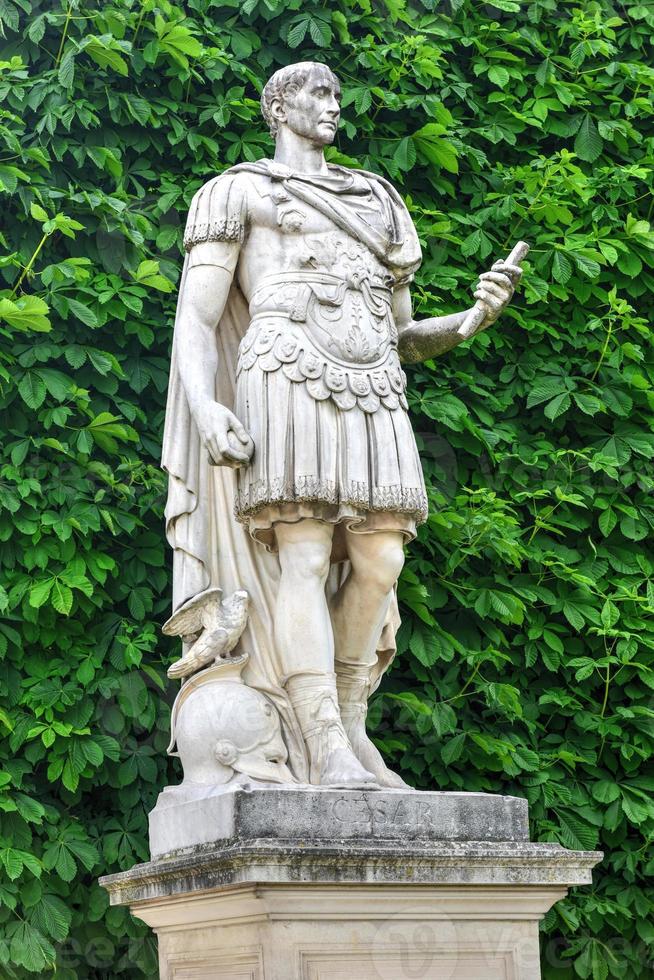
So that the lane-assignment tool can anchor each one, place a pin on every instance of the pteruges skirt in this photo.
(330, 445)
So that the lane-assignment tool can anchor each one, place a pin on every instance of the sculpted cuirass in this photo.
(331, 330)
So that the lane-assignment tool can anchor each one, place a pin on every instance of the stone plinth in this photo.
(344, 885)
(313, 814)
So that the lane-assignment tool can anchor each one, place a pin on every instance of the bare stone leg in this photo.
(304, 636)
(358, 613)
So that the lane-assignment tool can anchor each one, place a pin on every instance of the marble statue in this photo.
(294, 477)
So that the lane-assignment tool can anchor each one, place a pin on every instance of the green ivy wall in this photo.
(527, 650)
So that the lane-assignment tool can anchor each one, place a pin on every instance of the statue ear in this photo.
(277, 110)
(225, 752)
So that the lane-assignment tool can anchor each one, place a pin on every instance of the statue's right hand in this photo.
(223, 435)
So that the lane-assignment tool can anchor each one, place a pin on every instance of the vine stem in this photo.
(31, 262)
(64, 34)
(468, 682)
(138, 24)
(537, 523)
(546, 179)
(607, 684)
(607, 676)
(604, 350)
(468, 694)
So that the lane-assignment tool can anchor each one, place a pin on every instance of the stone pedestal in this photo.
(311, 884)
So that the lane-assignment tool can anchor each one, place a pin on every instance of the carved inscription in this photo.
(383, 816)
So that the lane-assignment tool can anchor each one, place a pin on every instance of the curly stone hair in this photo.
(284, 82)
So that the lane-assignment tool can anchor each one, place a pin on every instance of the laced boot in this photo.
(331, 759)
(353, 683)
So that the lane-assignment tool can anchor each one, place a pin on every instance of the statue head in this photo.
(304, 97)
(222, 727)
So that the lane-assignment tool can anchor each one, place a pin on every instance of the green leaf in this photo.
(471, 244)
(440, 152)
(62, 862)
(66, 73)
(27, 313)
(405, 154)
(443, 719)
(29, 809)
(176, 40)
(419, 648)
(148, 275)
(320, 32)
(605, 791)
(12, 862)
(297, 33)
(31, 388)
(557, 406)
(61, 597)
(617, 401)
(499, 76)
(40, 592)
(575, 833)
(82, 312)
(31, 949)
(589, 267)
(453, 749)
(93, 753)
(84, 852)
(588, 143)
(589, 404)
(544, 389)
(8, 16)
(607, 521)
(37, 212)
(52, 917)
(561, 268)
(36, 28)
(511, 6)
(106, 52)
(574, 616)
(640, 442)
(362, 100)
(630, 264)
(610, 614)
(616, 451)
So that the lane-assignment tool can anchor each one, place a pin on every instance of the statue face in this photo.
(314, 110)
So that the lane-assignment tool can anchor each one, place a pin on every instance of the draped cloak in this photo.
(210, 547)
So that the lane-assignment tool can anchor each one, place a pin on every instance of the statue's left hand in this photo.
(495, 289)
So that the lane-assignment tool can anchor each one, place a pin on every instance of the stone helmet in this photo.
(222, 727)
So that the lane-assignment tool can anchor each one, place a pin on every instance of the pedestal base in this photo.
(356, 933)
(378, 905)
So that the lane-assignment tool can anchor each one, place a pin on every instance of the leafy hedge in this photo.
(528, 639)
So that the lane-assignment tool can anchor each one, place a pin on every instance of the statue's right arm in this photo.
(202, 301)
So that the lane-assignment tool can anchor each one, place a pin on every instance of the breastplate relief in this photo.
(326, 321)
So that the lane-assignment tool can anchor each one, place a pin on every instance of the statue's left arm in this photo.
(420, 340)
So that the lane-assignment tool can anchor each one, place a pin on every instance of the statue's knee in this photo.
(385, 565)
(305, 562)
